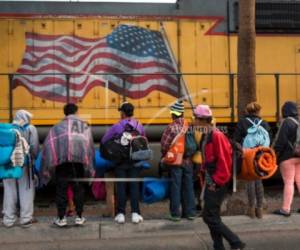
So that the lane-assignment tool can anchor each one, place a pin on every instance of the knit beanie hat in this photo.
(177, 108)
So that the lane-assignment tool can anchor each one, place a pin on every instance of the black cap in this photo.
(127, 108)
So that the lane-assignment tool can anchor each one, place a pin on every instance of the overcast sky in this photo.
(120, 1)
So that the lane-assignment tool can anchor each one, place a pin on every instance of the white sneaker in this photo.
(120, 218)
(8, 225)
(136, 218)
(79, 220)
(60, 222)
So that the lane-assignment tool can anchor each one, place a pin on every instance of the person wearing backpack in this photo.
(286, 142)
(181, 190)
(68, 153)
(126, 168)
(22, 190)
(217, 164)
(252, 131)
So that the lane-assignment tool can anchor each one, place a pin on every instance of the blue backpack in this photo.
(7, 146)
(256, 136)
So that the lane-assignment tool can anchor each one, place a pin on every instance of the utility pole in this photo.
(246, 55)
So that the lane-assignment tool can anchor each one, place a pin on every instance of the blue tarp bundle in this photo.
(101, 163)
(38, 163)
(7, 145)
(155, 190)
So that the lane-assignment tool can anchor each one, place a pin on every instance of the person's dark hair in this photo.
(70, 109)
(127, 109)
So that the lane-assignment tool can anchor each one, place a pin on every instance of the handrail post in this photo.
(68, 87)
(179, 93)
(10, 96)
(124, 88)
(231, 95)
(277, 89)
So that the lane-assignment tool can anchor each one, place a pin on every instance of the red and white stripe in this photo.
(53, 55)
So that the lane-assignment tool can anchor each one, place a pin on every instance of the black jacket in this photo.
(286, 135)
(243, 125)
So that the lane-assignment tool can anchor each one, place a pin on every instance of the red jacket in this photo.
(218, 158)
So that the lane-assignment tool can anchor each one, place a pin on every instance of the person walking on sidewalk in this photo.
(68, 153)
(255, 189)
(22, 190)
(182, 189)
(217, 163)
(126, 168)
(288, 163)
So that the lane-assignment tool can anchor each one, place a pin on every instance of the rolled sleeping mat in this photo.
(258, 164)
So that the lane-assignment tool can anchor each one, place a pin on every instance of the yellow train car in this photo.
(201, 36)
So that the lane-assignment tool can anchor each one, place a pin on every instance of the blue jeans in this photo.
(182, 191)
(127, 170)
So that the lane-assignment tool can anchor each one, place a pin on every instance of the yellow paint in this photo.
(196, 51)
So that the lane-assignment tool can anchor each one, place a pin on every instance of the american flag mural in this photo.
(128, 49)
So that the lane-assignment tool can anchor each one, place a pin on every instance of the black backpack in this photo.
(136, 148)
(112, 150)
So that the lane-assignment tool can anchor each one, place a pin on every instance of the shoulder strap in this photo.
(294, 120)
(253, 122)
(279, 129)
(181, 133)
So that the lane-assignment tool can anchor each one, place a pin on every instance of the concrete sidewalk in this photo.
(102, 229)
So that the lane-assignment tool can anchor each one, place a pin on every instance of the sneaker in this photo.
(282, 212)
(242, 246)
(79, 221)
(120, 218)
(136, 218)
(27, 224)
(8, 225)
(191, 217)
(173, 218)
(60, 222)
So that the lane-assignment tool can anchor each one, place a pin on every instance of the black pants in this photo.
(64, 172)
(211, 216)
(127, 171)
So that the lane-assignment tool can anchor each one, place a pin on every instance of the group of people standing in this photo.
(68, 154)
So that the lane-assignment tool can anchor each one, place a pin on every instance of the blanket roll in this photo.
(258, 163)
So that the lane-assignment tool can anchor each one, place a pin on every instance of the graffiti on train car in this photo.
(128, 49)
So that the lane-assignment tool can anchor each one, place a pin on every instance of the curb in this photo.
(95, 229)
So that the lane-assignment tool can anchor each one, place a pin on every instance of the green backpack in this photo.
(190, 144)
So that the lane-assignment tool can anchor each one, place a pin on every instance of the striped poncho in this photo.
(69, 141)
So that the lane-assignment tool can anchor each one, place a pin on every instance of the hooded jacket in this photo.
(286, 135)
(217, 155)
(23, 119)
(69, 141)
